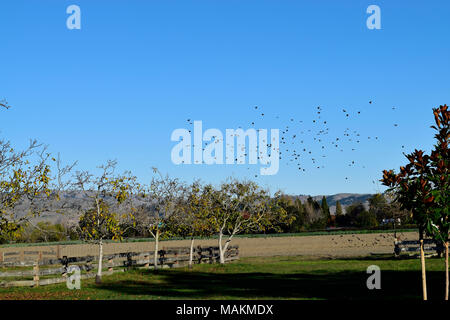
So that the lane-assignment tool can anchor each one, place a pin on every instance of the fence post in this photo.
(211, 255)
(175, 262)
(198, 251)
(162, 254)
(65, 265)
(110, 265)
(36, 274)
(129, 261)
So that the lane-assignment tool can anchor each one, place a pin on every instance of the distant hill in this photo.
(345, 199)
(77, 202)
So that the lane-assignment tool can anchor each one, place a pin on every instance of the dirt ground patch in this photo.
(345, 245)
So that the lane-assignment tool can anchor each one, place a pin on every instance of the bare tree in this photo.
(158, 202)
(102, 221)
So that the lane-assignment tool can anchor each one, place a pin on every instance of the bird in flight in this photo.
(4, 104)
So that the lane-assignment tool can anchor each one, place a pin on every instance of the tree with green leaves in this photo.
(45, 231)
(326, 210)
(103, 220)
(422, 186)
(339, 210)
(342, 219)
(314, 214)
(26, 181)
(295, 216)
(298, 223)
(190, 219)
(367, 219)
(439, 177)
(24, 178)
(96, 225)
(357, 216)
(378, 206)
(239, 206)
(385, 209)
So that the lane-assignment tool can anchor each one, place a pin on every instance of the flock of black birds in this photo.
(355, 241)
(297, 151)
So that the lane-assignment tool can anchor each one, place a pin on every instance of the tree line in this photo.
(307, 216)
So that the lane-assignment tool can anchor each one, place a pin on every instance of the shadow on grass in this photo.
(314, 285)
(386, 257)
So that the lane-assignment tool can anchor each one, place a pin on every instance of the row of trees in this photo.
(314, 215)
(382, 211)
(33, 182)
(308, 216)
(119, 204)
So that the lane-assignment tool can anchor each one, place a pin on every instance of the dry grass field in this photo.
(340, 245)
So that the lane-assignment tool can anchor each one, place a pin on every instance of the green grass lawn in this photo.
(258, 278)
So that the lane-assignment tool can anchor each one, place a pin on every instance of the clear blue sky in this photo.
(137, 70)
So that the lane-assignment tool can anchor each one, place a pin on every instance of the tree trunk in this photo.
(225, 247)
(424, 278)
(191, 253)
(98, 277)
(155, 259)
(221, 253)
(446, 270)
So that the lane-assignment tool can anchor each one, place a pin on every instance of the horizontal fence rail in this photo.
(412, 247)
(119, 262)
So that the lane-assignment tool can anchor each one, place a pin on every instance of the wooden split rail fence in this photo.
(412, 247)
(47, 271)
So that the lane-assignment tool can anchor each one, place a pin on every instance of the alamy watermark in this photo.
(208, 147)
(374, 281)
(74, 280)
(74, 20)
(374, 20)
